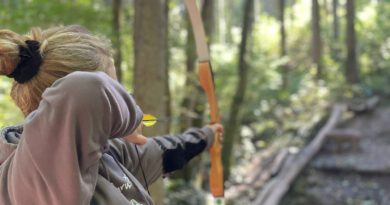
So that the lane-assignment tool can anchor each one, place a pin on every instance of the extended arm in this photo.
(163, 154)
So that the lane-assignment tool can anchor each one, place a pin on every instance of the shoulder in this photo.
(86, 78)
(81, 84)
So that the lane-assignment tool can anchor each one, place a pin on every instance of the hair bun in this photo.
(30, 61)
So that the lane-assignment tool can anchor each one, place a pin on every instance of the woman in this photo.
(70, 149)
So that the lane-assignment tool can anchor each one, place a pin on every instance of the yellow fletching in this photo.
(149, 120)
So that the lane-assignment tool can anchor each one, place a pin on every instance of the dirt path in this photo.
(358, 177)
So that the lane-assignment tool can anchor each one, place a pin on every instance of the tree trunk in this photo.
(208, 17)
(151, 71)
(168, 98)
(232, 126)
(116, 41)
(316, 38)
(352, 70)
(335, 45)
(283, 43)
(336, 34)
(190, 92)
(223, 32)
(187, 104)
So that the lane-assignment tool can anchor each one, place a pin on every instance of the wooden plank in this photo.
(278, 162)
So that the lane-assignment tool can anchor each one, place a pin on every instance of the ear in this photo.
(111, 71)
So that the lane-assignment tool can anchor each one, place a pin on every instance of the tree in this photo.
(116, 29)
(283, 43)
(335, 45)
(352, 70)
(316, 43)
(232, 125)
(335, 5)
(151, 67)
(187, 105)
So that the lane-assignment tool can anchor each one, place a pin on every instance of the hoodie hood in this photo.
(10, 136)
(9, 139)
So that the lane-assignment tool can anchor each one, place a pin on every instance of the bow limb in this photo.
(207, 82)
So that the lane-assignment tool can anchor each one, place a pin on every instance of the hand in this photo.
(217, 128)
(136, 137)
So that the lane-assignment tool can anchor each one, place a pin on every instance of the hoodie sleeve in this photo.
(162, 154)
(56, 161)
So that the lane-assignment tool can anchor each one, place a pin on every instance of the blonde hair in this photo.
(64, 49)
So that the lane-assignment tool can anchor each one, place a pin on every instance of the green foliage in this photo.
(9, 114)
(23, 15)
(374, 27)
(181, 193)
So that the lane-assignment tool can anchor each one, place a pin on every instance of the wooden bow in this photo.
(207, 82)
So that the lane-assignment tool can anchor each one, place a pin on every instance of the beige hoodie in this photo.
(69, 151)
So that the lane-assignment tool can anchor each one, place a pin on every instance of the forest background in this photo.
(278, 65)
